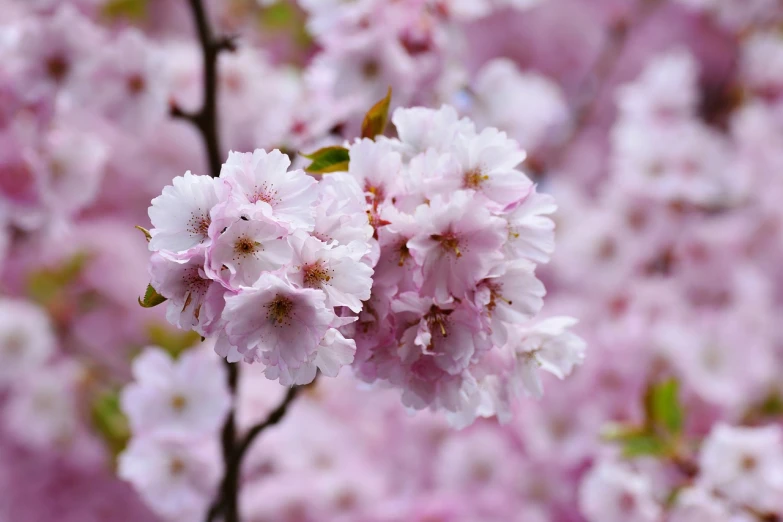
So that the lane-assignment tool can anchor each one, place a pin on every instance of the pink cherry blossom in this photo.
(246, 249)
(27, 339)
(181, 217)
(288, 332)
(337, 271)
(182, 398)
(262, 181)
(743, 464)
(611, 492)
(546, 345)
(457, 243)
(175, 479)
(194, 300)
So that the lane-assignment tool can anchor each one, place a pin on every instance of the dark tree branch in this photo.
(275, 417)
(226, 503)
(205, 119)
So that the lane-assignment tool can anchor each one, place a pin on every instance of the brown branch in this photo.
(227, 500)
(205, 119)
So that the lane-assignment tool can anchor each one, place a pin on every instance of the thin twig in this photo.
(205, 119)
(226, 502)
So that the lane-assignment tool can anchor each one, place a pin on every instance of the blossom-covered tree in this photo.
(359, 303)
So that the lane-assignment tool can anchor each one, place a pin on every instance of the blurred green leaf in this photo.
(45, 285)
(663, 408)
(278, 16)
(131, 9)
(109, 421)
(377, 117)
(175, 342)
(644, 445)
(328, 159)
(151, 298)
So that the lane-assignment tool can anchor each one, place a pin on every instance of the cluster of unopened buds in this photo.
(412, 258)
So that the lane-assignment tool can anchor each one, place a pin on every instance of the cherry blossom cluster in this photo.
(262, 258)
(460, 230)
(175, 409)
(657, 125)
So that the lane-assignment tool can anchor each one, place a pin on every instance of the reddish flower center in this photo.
(57, 68)
(315, 275)
(448, 242)
(245, 246)
(199, 224)
(474, 178)
(136, 84)
(178, 402)
(280, 309)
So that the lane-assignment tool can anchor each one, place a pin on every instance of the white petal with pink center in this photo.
(184, 398)
(246, 249)
(338, 271)
(278, 324)
(181, 217)
(262, 180)
(458, 243)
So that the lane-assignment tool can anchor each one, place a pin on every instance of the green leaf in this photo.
(130, 9)
(175, 342)
(278, 16)
(151, 298)
(145, 232)
(328, 159)
(644, 445)
(662, 404)
(109, 421)
(47, 285)
(377, 117)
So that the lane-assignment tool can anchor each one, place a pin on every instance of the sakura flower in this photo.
(546, 345)
(665, 92)
(449, 336)
(26, 339)
(261, 181)
(762, 59)
(529, 106)
(281, 326)
(376, 167)
(511, 295)
(457, 243)
(531, 229)
(420, 129)
(475, 462)
(176, 480)
(194, 300)
(340, 213)
(745, 465)
(74, 162)
(696, 504)
(247, 248)
(43, 412)
(611, 492)
(181, 214)
(133, 82)
(428, 175)
(488, 162)
(184, 398)
(53, 51)
(337, 271)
